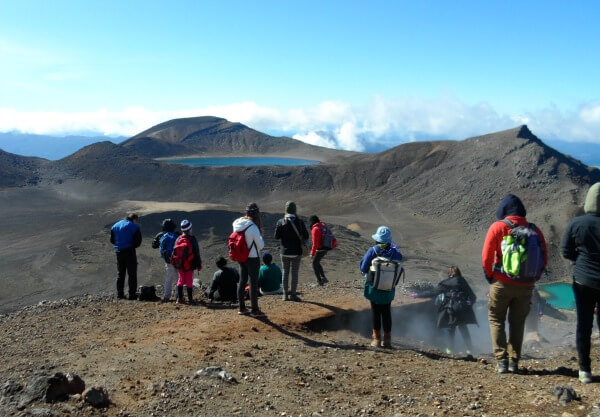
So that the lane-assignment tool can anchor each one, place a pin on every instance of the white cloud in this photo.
(377, 124)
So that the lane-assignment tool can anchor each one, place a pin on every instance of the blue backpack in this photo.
(522, 253)
(167, 243)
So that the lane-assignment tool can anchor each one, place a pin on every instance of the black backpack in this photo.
(156, 240)
(148, 293)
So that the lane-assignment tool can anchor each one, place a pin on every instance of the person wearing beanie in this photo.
(224, 283)
(507, 295)
(269, 276)
(292, 233)
(186, 247)
(581, 244)
(318, 251)
(251, 226)
(126, 236)
(381, 301)
(166, 245)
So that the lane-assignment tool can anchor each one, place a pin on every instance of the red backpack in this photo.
(238, 248)
(183, 254)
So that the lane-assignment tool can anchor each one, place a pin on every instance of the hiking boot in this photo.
(324, 281)
(243, 312)
(387, 340)
(585, 377)
(502, 366)
(257, 314)
(295, 298)
(513, 366)
(191, 296)
(375, 342)
(179, 301)
(121, 296)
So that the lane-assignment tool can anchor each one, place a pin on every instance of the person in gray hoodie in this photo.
(251, 224)
(581, 244)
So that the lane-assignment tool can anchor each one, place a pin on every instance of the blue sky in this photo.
(350, 74)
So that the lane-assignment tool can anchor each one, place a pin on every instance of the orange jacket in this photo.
(492, 251)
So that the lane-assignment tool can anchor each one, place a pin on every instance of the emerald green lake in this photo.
(558, 295)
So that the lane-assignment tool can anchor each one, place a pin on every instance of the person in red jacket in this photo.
(507, 295)
(317, 252)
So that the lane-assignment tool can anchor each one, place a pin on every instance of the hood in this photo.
(592, 205)
(510, 205)
(241, 224)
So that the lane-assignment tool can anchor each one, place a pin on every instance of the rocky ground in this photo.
(310, 358)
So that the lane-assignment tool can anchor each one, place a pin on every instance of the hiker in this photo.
(292, 232)
(250, 226)
(319, 247)
(126, 236)
(453, 300)
(186, 258)
(581, 244)
(510, 292)
(269, 276)
(381, 300)
(166, 245)
(224, 283)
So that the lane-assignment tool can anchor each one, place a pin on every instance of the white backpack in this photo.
(385, 274)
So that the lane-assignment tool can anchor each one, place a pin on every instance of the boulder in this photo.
(97, 397)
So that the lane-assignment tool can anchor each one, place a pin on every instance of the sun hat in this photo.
(186, 225)
(383, 235)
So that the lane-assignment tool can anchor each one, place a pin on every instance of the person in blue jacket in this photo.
(126, 236)
(381, 301)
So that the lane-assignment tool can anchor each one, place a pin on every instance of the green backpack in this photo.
(522, 254)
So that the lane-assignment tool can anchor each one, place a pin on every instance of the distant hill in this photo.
(47, 146)
(19, 171)
(212, 135)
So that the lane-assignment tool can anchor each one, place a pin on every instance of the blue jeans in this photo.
(586, 299)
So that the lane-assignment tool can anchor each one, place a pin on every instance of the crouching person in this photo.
(224, 283)
(380, 293)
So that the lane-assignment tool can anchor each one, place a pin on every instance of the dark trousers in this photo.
(316, 264)
(382, 313)
(464, 331)
(126, 263)
(249, 269)
(586, 299)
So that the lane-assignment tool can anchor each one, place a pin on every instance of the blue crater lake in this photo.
(558, 295)
(240, 161)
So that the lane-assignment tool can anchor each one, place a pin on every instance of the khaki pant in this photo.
(515, 300)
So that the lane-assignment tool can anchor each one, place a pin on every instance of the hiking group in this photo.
(514, 257)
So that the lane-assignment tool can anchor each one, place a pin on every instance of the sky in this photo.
(348, 74)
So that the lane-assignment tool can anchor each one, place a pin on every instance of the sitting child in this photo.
(269, 276)
(224, 283)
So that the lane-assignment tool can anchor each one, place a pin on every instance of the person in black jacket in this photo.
(293, 234)
(454, 301)
(224, 283)
(581, 244)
